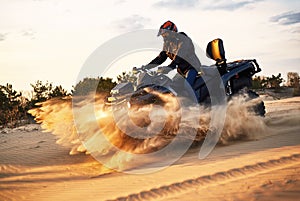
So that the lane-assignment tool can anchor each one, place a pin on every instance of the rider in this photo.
(180, 49)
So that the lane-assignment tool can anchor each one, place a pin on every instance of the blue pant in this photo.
(191, 78)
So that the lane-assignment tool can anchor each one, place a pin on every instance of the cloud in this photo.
(229, 5)
(131, 23)
(296, 30)
(2, 36)
(28, 33)
(119, 1)
(287, 18)
(24, 33)
(177, 3)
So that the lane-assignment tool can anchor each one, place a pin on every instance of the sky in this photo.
(50, 40)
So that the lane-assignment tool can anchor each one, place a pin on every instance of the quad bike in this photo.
(148, 86)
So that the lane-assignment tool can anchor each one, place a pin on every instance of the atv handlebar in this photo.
(252, 63)
(161, 70)
(136, 70)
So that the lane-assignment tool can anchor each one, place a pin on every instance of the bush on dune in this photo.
(14, 106)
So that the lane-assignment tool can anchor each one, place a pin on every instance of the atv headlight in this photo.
(111, 99)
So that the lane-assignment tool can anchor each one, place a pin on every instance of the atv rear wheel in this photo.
(259, 108)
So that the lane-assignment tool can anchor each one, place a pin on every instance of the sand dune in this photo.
(34, 167)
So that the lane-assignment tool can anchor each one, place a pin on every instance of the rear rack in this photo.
(235, 64)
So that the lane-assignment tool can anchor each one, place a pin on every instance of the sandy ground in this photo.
(34, 167)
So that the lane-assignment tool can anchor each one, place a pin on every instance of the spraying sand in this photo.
(256, 159)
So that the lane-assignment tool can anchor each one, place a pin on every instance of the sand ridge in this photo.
(175, 189)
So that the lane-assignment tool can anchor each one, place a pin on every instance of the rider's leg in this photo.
(190, 80)
(191, 76)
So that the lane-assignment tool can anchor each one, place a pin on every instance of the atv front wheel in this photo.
(167, 101)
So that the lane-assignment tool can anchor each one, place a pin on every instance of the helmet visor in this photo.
(161, 31)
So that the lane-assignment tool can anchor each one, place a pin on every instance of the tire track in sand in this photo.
(220, 177)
